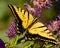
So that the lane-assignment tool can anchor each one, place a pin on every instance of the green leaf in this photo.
(25, 44)
(28, 44)
(36, 46)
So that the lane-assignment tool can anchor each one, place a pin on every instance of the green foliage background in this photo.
(6, 17)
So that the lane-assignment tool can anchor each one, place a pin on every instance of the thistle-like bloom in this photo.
(2, 45)
(12, 30)
(55, 26)
(41, 3)
(38, 5)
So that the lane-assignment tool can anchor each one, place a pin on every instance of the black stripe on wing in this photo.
(21, 29)
(38, 37)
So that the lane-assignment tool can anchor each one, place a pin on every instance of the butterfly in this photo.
(35, 30)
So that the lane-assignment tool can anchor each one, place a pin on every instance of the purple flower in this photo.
(30, 9)
(2, 45)
(58, 16)
(38, 6)
(12, 30)
(55, 26)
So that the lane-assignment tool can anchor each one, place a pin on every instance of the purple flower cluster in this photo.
(55, 26)
(12, 30)
(2, 45)
(38, 6)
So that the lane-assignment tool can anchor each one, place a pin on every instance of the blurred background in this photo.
(6, 16)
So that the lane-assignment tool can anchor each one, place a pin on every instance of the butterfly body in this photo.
(35, 30)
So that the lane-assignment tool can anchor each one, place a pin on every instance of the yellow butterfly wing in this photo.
(38, 29)
(27, 19)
